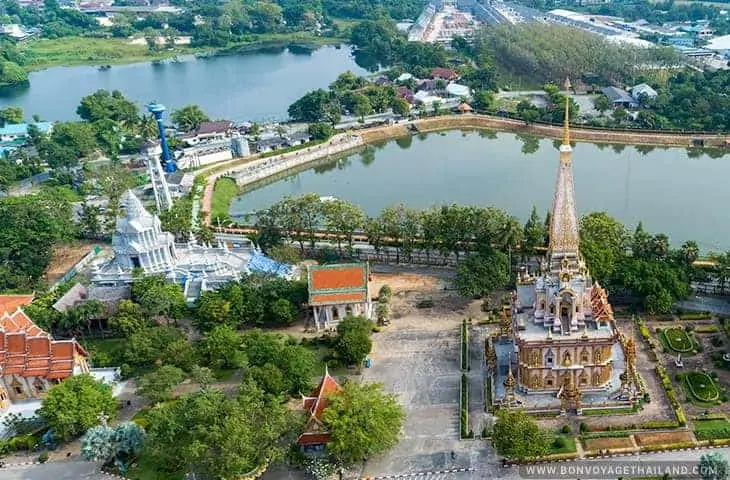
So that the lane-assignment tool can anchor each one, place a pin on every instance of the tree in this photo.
(159, 298)
(620, 115)
(714, 466)
(361, 106)
(534, 233)
(320, 130)
(128, 438)
(74, 406)
(212, 436)
(278, 363)
(97, 444)
(68, 142)
(482, 273)
(603, 242)
(211, 309)
(602, 103)
(516, 435)
(189, 117)
(221, 347)
(363, 420)
(12, 74)
(157, 385)
(11, 115)
(312, 107)
(128, 319)
(401, 107)
(283, 311)
(202, 376)
(343, 218)
(353, 342)
(102, 105)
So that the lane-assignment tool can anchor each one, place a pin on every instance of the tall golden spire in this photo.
(564, 219)
(566, 122)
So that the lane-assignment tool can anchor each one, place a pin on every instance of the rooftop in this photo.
(617, 94)
(337, 284)
(220, 126)
(315, 404)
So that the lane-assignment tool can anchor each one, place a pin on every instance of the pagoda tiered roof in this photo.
(28, 351)
(601, 309)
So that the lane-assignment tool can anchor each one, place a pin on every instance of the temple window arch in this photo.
(549, 358)
(348, 310)
(549, 381)
(584, 356)
(583, 379)
(564, 263)
(552, 309)
(566, 359)
(542, 304)
(17, 387)
(39, 386)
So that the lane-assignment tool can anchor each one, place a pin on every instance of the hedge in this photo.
(674, 446)
(713, 434)
(464, 346)
(671, 395)
(464, 408)
(706, 329)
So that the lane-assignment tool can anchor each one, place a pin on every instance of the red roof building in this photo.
(30, 359)
(338, 290)
(315, 434)
(444, 74)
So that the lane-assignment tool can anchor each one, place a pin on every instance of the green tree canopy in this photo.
(157, 386)
(74, 406)
(217, 437)
(189, 117)
(222, 347)
(363, 420)
(603, 243)
(516, 435)
(11, 115)
(482, 273)
(353, 342)
(102, 105)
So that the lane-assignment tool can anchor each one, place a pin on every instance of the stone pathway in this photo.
(477, 376)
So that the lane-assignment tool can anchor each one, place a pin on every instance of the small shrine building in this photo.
(315, 436)
(338, 290)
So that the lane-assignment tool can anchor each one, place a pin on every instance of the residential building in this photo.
(315, 436)
(31, 361)
(643, 89)
(15, 131)
(338, 290)
(445, 74)
(457, 90)
(619, 97)
(209, 131)
(18, 32)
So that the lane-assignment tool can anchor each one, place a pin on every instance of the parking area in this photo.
(417, 358)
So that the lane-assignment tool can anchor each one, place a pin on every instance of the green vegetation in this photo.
(671, 395)
(711, 429)
(353, 342)
(464, 346)
(700, 387)
(224, 191)
(607, 411)
(677, 340)
(517, 436)
(562, 444)
(364, 421)
(464, 408)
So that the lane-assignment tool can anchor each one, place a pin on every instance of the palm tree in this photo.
(690, 252)
(148, 128)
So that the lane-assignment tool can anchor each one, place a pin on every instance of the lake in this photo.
(680, 193)
(256, 86)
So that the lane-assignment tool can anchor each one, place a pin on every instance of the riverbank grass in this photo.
(69, 51)
(224, 191)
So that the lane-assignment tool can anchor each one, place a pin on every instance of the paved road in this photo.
(73, 470)
(715, 305)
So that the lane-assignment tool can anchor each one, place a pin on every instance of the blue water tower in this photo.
(157, 109)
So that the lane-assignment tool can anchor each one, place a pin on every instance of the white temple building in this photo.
(141, 246)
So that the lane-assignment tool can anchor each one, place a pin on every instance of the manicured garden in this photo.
(701, 388)
(562, 444)
(677, 340)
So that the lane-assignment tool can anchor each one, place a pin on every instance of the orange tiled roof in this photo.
(26, 350)
(10, 303)
(342, 283)
(315, 404)
(600, 307)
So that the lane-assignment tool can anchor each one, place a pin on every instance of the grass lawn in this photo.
(104, 351)
(45, 52)
(711, 429)
(701, 387)
(224, 191)
(676, 340)
(568, 445)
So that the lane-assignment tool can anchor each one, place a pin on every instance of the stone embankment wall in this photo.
(266, 167)
(467, 121)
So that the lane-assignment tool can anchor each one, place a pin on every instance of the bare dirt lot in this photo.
(663, 438)
(607, 443)
(65, 257)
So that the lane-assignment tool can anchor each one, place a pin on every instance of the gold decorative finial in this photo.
(566, 125)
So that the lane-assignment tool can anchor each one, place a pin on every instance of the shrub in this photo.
(706, 329)
(559, 443)
(583, 427)
(43, 457)
(659, 425)
(566, 429)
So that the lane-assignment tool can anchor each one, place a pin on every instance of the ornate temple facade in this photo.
(141, 246)
(338, 290)
(31, 361)
(560, 320)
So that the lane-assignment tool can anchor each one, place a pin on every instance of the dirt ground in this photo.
(608, 443)
(65, 257)
(663, 438)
